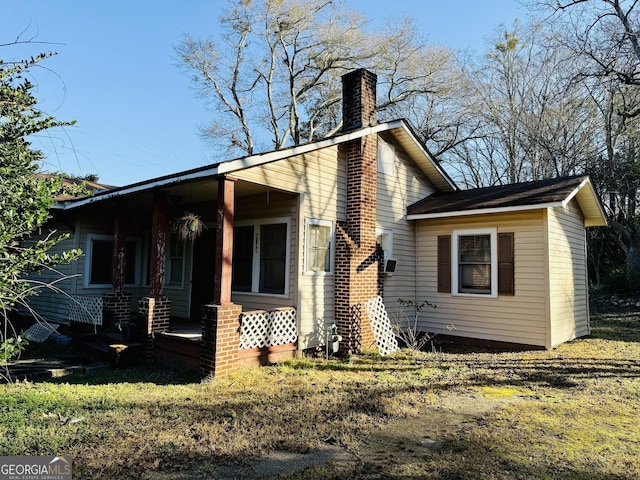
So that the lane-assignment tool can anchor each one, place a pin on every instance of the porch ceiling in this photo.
(207, 190)
(188, 193)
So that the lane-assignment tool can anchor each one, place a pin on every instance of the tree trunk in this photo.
(632, 262)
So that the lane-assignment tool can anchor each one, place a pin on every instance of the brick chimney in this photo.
(358, 99)
(357, 255)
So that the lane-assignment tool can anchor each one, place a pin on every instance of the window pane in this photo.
(175, 260)
(475, 248)
(242, 268)
(273, 256)
(318, 250)
(475, 278)
(474, 264)
(101, 264)
(175, 271)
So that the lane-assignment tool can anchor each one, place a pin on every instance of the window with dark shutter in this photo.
(444, 263)
(506, 280)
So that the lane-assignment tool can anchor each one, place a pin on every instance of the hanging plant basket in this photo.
(188, 227)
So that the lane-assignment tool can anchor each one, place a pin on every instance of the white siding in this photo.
(404, 186)
(320, 178)
(520, 318)
(567, 274)
(51, 303)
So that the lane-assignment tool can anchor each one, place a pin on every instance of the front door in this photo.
(202, 272)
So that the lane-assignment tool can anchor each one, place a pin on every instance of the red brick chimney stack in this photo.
(356, 276)
(358, 99)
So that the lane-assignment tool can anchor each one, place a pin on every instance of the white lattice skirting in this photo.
(85, 309)
(381, 325)
(267, 328)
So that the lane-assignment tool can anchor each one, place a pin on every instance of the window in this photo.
(261, 257)
(273, 258)
(175, 261)
(99, 261)
(242, 268)
(318, 251)
(474, 262)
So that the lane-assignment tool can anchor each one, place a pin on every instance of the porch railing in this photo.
(268, 328)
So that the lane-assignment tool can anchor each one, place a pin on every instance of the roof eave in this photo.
(586, 196)
(446, 179)
(482, 211)
(243, 163)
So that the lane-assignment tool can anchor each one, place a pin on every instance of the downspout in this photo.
(300, 272)
(547, 278)
(586, 269)
(415, 259)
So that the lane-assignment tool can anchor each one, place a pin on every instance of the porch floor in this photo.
(186, 330)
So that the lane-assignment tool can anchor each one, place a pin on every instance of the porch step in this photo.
(114, 349)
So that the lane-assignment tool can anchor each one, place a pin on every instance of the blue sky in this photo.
(136, 113)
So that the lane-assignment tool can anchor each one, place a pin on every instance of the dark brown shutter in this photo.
(506, 281)
(444, 263)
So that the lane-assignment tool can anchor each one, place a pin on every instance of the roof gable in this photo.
(513, 197)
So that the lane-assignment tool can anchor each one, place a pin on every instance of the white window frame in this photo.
(493, 238)
(255, 280)
(91, 237)
(321, 223)
(173, 237)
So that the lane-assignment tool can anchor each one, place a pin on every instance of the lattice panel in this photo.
(266, 328)
(40, 331)
(381, 325)
(85, 309)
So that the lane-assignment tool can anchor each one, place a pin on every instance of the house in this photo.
(510, 261)
(297, 239)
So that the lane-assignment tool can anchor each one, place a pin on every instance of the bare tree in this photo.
(604, 34)
(531, 123)
(602, 37)
(273, 78)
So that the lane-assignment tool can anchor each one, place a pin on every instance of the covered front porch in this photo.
(177, 288)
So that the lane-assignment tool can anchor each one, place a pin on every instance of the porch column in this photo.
(221, 320)
(220, 340)
(118, 265)
(155, 310)
(224, 241)
(116, 305)
(159, 228)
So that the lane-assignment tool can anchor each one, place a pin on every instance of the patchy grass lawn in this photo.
(569, 413)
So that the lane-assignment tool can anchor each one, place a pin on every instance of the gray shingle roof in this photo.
(499, 197)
